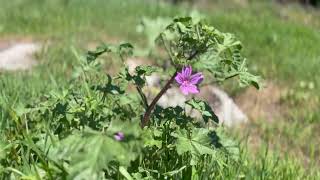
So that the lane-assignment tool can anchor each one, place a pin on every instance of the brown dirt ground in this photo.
(262, 104)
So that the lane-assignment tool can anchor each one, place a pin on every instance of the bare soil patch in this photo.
(262, 104)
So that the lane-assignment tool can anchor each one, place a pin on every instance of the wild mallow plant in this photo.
(103, 127)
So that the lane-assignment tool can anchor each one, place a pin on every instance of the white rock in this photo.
(173, 97)
(153, 80)
(228, 112)
(18, 56)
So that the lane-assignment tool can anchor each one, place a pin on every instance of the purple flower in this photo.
(119, 136)
(187, 81)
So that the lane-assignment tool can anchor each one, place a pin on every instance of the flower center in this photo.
(185, 81)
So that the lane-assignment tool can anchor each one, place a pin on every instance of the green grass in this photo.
(283, 51)
(279, 48)
(76, 18)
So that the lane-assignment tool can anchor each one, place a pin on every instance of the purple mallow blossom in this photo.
(119, 136)
(188, 81)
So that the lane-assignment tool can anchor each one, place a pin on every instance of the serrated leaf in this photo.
(146, 70)
(198, 142)
(126, 49)
(93, 55)
(109, 87)
(228, 143)
(149, 136)
(92, 151)
(246, 79)
(141, 73)
(152, 28)
(204, 108)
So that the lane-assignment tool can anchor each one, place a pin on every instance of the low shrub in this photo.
(103, 127)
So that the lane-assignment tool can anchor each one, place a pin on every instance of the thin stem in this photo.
(143, 97)
(146, 116)
(167, 49)
(213, 82)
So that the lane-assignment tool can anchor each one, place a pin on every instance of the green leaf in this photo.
(117, 125)
(204, 108)
(249, 79)
(207, 49)
(141, 73)
(93, 55)
(228, 143)
(172, 173)
(229, 41)
(92, 151)
(125, 173)
(152, 28)
(146, 70)
(4, 149)
(149, 137)
(109, 88)
(125, 49)
(198, 142)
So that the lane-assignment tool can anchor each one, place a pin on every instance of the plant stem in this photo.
(146, 116)
(143, 97)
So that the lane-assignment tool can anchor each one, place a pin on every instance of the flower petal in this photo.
(179, 78)
(196, 78)
(186, 71)
(119, 136)
(189, 88)
(193, 89)
(184, 89)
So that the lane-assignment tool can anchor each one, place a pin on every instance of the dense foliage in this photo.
(103, 127)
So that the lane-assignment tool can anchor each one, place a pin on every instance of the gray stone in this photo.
(18, 56)
(228, 112)
(224, 106)
(173, 97)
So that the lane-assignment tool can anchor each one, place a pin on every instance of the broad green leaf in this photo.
(149, 137)
(197, 143)
(92, 151)
(152, 28)
(228, 143)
